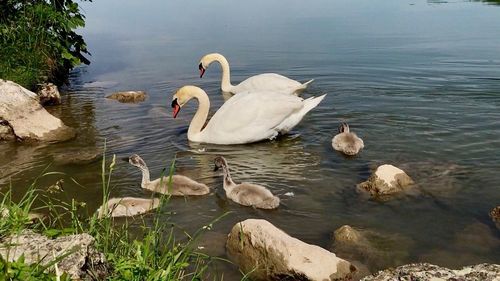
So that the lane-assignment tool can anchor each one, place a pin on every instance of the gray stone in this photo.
(77, 157)
(426, 271)
(386, 180)
(27, 118)
(128, 96)
(268, 253)
(49, 94)
(36, 248)
(375, 250)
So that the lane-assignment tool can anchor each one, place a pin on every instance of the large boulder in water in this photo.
(386, 180)
(268, 253)
(22, 113)
(426, 271)
(82, 258)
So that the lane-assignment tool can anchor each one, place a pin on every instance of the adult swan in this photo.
(244, 118)
(263, 82)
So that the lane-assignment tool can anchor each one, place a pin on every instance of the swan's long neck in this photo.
(226, 72)
(228, 181)
(200, 117)
(145, 176)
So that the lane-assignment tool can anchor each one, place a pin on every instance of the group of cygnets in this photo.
(263, 106)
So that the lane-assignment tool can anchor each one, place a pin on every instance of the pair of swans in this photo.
(264, 106)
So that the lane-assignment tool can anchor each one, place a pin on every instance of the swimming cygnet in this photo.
(246, 194)
(347, 142)
(181, 185)
(127, 206)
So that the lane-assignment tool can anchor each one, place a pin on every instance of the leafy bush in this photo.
(38, 42)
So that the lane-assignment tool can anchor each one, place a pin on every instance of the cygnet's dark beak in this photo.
(216, 168)
(124, 159)
(202, 70)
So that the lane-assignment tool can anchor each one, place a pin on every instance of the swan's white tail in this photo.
(269, 203)
(302, 87)
(297, 116)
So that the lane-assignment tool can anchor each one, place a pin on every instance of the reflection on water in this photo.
(418, 82)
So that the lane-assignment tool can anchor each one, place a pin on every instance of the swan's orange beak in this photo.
(176, 108)
(202, 70)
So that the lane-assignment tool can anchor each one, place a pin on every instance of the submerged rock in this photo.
(49, 94)
(6, 132)
(268, 253)
(128, 96)
(77, 157)
(128, 206)
(370, 248)
(426, 271)
(495, 214)
(84, 258)
(27, 118)
(386, 180)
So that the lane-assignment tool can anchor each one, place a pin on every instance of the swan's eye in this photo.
(174, 103)
(200, 66)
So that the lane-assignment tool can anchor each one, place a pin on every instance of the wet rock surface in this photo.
(77, 157)
(386, 180)
(128, 96)
(82, 259)
(375, 250)
(49, 94)
(426, 271)
(259, 247)
(28, 120)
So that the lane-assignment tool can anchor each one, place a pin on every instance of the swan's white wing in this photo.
(267, 82)
(250, 117)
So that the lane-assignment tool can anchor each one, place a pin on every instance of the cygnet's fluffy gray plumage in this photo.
(246, 194)
(181, 185)
(347, 142)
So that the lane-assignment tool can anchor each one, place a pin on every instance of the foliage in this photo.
(38, 41)
(149, 252)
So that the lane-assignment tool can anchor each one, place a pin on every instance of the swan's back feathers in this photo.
(297, 116)
(250, 117)
(249, 194)
(348, 143)
(267, 82)
(181, 186)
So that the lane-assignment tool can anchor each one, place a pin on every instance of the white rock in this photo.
(386, 180)
(38, 248)
(27, 118)
(425, 271)
(270, 254)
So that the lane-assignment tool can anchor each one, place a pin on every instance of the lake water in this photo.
(418, 81)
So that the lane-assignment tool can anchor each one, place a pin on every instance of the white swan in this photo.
(246, 194)
(181, 185)
(347, 142)
(263, 82)
(245, 118)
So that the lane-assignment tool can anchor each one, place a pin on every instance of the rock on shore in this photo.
(386, 180)
(426, 271)
(49, 94)
(259, 247)
(22, 115)
(128, 96)
(38, 248)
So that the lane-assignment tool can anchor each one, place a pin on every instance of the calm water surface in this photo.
(418, 81)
